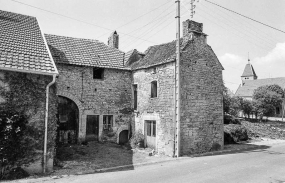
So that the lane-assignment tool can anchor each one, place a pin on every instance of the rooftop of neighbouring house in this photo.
(155, 55)
(23, 46)
(247, 89)
(84, 52)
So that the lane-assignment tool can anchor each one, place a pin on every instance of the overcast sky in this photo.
(142, 23)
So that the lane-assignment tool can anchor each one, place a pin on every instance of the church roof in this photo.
(248, 71)
(247, 89)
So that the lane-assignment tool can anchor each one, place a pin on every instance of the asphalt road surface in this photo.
(266, 165)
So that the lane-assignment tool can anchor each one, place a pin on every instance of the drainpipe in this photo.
(46, 123)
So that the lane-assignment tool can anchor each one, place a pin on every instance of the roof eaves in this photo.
(168, 60)
(27, 71)
(105, 67)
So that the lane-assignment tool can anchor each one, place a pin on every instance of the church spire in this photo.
(248, 73)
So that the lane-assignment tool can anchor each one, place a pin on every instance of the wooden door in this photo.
(92, 128)
(150, 134)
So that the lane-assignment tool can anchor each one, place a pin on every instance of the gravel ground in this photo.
(269, 129)
(82, 159)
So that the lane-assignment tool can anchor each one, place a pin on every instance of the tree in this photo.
(246, 106)
(267, 98)
(231, 104)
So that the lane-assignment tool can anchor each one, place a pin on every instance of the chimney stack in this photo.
(113, 40)
(192, 30)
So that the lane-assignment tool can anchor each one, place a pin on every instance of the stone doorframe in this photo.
(152, 117)
(122, 128)
(81, 127)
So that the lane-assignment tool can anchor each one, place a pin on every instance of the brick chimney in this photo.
(113, 40)
(193, 30)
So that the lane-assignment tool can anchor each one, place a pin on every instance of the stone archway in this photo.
(121, 129)
(123, 137)
(81, 127)
(68, 115)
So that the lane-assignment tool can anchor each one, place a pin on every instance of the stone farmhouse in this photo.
(94, 89)
(250, 83)
(105, 94)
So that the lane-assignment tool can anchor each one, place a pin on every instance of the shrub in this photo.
(14, 146)
(137, 140)
(228, 119)
(234, 133)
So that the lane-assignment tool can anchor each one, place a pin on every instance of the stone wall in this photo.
(201, 98)
(109, 96)
(30, 94)
(161, 108)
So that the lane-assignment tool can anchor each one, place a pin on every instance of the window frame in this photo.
(135, 94)
(153, 83)
(110, 122)
(150, 128)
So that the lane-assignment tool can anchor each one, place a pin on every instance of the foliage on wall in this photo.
(23, 114)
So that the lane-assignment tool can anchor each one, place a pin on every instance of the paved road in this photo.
(257, 166)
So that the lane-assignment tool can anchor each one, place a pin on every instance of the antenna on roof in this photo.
(193, 7)
(248, 58)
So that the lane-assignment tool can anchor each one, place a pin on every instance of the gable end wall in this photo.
(201, 100)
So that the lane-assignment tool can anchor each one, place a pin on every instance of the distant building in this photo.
(250, 83)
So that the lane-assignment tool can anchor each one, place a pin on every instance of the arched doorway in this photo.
(68, 117)
(123, 137)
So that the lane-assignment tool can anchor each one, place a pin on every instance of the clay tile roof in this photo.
(22, 46)
(86, 52)
(249, 71)
(156, 55)
(250, 85)
(129, 54)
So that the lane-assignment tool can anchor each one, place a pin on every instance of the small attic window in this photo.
(98, 73)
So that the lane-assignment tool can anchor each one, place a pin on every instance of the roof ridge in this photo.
(85, 39)
(18, 14)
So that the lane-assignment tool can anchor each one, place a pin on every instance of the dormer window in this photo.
(98, 73)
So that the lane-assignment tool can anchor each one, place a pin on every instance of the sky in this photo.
(143, 23)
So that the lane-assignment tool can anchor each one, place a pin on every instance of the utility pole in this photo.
(283, 104)
(177, 81)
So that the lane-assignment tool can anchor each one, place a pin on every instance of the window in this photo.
(153, 89)
(135, 89)
(151, 128)
(98, 73)
(107, 122)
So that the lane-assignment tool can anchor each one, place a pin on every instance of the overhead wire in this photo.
(246, 16)
(152, 28)
(157, 31)
(157, 18)
(139, 17)
(226, 28)
(58, 14)
(245, 28)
